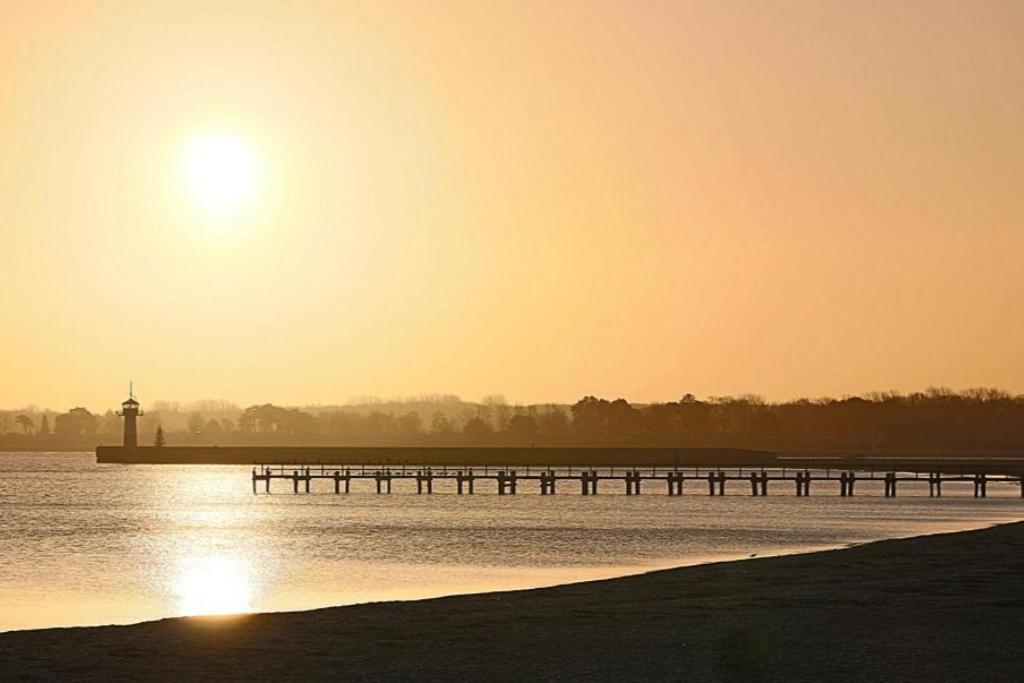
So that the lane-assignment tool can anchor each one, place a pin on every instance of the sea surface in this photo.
(84, 544)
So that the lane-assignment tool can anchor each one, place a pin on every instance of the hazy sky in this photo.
(303, 202)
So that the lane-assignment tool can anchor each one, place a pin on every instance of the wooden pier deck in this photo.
(629, 480)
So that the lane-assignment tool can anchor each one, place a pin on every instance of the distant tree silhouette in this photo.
(74, 423)
(27, 425)
(409, 426)
(159, 439)
(522, 427)
(271, 419)
(590, 419)
(196, 424)
(496, 412)
(553, 423)
(937, 419)
(440, 424)
(476, 428)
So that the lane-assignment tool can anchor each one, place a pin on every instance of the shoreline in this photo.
(942, 605)
(633, 571)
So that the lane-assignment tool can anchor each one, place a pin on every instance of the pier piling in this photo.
(980, 485)
(846, 482)
(803, 483)
(716, 480)
(890, 484)
(632, 483)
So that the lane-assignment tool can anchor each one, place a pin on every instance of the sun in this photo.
(220, 172)
(214, 585)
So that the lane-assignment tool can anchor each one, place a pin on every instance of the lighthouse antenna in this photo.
(131, 389)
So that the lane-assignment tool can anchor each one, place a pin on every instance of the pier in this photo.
(632, 481)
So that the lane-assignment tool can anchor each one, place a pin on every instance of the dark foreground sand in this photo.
(947, 607)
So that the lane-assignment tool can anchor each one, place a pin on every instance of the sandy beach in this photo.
(946, 606)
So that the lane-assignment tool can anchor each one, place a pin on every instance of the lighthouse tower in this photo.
(130, 411)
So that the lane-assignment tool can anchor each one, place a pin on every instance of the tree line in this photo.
(933, 420)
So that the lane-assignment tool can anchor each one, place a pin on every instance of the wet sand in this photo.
(945, 607)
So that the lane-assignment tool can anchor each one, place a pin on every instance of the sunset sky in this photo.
(304, 202)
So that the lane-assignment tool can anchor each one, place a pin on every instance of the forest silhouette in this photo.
(975, 420)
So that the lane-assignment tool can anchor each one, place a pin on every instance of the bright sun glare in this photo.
(214, 585)
(221, 173)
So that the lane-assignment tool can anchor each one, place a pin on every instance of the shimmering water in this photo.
(82, 543)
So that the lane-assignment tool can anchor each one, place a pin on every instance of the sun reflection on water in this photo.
(214, 585)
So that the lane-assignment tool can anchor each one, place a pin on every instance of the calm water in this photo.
(82, 543)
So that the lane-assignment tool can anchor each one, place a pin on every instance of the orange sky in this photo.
(541, 199)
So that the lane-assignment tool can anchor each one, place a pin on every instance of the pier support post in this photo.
(632, 483)
(844, 484)
(890, 484)
(759, 483)
(295, 482)
(337, 482)
(588, 482)
(846, 481)
(803, 483)
(980, 485)
(716, 479)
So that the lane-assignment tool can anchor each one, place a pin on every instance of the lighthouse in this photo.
(130, 411)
